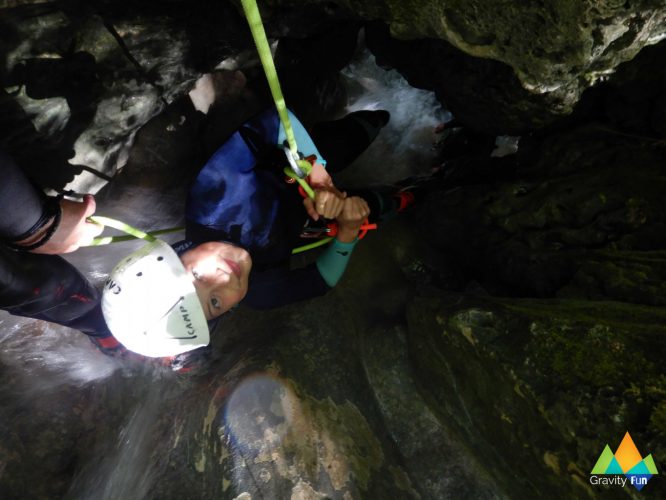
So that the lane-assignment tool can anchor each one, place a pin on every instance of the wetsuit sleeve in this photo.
(45, 287)
(305, 143)
(21, 205)
(333, 262)
(281, 286)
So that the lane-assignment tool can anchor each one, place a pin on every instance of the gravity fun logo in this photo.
(625, 465)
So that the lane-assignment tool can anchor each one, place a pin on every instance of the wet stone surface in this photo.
(485, 345)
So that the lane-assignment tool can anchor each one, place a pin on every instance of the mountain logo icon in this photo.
(626, 461)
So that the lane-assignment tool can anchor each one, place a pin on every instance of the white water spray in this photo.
(404, 148)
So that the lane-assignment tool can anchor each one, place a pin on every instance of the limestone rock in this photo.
(81, 79)
(572, 217)
(555, 48)
(554, 380)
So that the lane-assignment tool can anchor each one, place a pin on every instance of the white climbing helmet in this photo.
(151, 306)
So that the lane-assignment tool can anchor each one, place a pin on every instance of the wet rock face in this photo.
(554, 381)
(567, 223)
(545, 42)
(499, 68)
(486, 345)
(576, 218)
(483, 94)
(81, 78)
(556, 49)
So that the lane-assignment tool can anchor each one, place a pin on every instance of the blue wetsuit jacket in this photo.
(240, 196)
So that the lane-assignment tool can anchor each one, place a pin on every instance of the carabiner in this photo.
(292, 163)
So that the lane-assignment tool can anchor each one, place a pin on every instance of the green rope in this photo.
(253, 17)
(306, 187)
(316, 244)
(134, 233)
(259, 34)
(121, 226)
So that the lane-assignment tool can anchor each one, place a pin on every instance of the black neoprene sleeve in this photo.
(280, 286)
(39, 286)
(48, 287)
(21, 205)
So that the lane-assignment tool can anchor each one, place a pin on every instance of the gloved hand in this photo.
(73, 231)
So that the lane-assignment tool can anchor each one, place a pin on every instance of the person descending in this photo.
(242, 222)
(241, 216)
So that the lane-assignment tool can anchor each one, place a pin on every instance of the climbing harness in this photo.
(331, 230)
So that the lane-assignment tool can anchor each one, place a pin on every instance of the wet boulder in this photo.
(524, 64)
(81, 78)
(540, 387)
(578, 214)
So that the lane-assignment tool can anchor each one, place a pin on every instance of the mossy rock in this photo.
(539, 387)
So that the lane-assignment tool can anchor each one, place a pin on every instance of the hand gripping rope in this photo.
(331, 228)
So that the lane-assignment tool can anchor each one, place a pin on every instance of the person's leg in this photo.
(342, 141)
(49, 288)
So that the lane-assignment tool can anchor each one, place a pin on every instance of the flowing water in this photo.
(51, 366)
(404, 148)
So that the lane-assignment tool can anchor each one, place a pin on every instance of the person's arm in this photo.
(34, 222)
(49, 288)
(303, 140)
(333, 262)
(328, 200)
(279, 287)
(20, 203)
